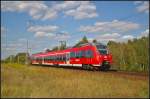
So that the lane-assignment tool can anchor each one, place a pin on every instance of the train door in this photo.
(89, 56)
(68, 58)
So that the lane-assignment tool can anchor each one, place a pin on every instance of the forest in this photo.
(132, 55)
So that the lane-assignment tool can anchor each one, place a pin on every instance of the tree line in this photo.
(132, 55)
(21, 58)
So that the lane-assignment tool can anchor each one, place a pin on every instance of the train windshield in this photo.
(102, 49)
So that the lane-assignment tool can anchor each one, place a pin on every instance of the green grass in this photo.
(33, 81)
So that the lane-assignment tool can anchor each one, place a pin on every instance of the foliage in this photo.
(132, 56)
(63, 46)
(19, 58)
(82, 41)
(94, 41)
(55, 48)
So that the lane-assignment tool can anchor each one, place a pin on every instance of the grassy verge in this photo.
(34, 81)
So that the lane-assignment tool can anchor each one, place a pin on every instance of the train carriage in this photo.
(89, 56)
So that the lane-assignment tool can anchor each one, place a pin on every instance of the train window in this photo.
(57, 57)
(81, 54)
(100, 46)
(89, 53)
(72, 54)
(37, 59)
(61, 57)
(52, 58)
(49, 58)
(77, 54)
(64, 57)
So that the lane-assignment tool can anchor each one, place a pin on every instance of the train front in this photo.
(104, 56)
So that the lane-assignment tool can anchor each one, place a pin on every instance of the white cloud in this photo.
(50, 31)
(34, 9)
(43, 31)
(144, 33)
(39, 10)
(50, 14)
(77, 9)
(143, 7)
(66, 5)
(44, 28)
(127, 37)
(113, 26)
(50, 35)
(137, 2)
(124, 38)
(84, 10)
(40, 34)
(62, 36)
(119, 38)
(73, 8)
(107, 37)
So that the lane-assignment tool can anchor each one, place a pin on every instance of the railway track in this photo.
(111, 71)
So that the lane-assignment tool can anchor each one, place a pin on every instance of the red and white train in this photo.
(88, 56)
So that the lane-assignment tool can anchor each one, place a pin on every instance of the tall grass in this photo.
(34, 81)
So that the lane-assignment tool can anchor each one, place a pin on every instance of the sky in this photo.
(44, 23)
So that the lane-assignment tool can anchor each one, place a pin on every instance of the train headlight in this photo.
(105, 56)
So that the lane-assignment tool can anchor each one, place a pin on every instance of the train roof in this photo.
(66, 50)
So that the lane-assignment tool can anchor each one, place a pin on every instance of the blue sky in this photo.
(45, 23)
